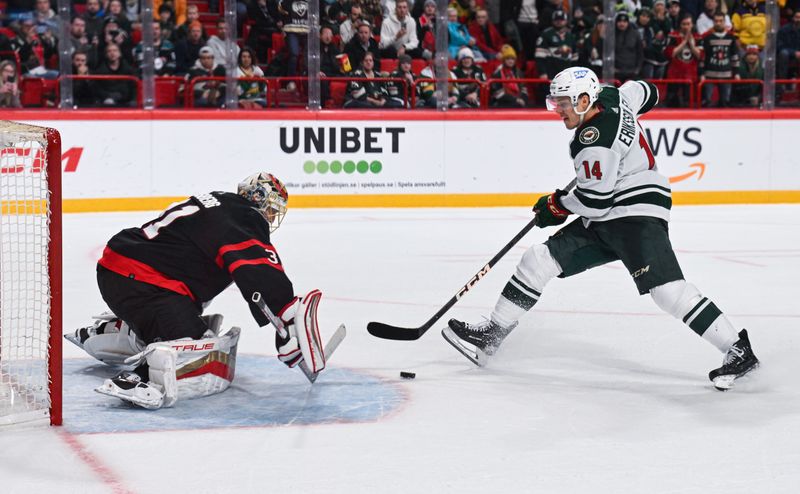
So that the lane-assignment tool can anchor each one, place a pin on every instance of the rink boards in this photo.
(134, 160)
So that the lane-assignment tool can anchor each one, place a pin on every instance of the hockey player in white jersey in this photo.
(623, 206)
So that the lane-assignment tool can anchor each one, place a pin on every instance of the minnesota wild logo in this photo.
(300, 8)
(589, 135)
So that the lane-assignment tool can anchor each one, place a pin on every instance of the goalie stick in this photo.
(330, 346)
(389, 332)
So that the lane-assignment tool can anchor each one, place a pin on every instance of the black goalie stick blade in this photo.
(388, 332)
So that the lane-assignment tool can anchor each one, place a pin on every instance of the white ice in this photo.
(596, 391)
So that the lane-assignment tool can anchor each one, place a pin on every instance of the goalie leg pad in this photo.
(307, 331)
(110, 341)
(162, 362)
(188, 368)
(211, 371)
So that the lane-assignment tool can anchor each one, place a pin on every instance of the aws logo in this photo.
(679, 141)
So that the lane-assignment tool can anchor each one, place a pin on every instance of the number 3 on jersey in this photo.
(594, 171)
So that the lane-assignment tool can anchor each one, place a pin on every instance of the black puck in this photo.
(407, 375)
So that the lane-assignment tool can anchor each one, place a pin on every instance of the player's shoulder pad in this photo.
(650, 96)
(601, 130)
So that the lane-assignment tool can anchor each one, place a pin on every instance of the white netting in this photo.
(24, 281)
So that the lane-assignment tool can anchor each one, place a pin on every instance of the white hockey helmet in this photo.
(573, 82)
(269, 196)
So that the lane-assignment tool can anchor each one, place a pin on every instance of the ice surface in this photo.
(596, 391)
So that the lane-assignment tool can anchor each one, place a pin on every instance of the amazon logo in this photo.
(697, 169)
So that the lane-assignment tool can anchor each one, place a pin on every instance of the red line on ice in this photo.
(105, 473)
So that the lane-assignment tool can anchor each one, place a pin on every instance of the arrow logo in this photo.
(699, 170)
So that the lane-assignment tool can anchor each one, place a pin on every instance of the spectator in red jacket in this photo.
(487, 37)
(684, 53)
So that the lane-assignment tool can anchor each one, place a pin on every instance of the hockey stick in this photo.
(389, 332)
(330, 346)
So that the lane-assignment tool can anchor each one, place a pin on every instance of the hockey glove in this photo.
(287, 346)
(549, 211)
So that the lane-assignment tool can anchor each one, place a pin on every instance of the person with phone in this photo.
(399, 34)
(9, 90)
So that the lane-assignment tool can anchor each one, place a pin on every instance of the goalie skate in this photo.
(128, 386)
(477, 342)
(739, 360)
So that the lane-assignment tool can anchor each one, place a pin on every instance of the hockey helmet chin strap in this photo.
(582, 114)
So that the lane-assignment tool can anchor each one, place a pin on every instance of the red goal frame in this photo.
(54, 270)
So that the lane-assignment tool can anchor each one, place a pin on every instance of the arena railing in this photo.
(99, 78)
(189, 95)
(533, 85)
(792, 89)
(169, 91)
(718, 82)
(424, 80)
(337, 89)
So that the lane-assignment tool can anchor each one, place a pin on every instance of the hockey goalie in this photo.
(157, 278)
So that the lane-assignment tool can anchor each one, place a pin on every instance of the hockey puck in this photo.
(407, 375)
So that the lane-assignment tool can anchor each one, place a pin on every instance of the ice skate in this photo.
(739, 360)
(477, 342)
(128, 386)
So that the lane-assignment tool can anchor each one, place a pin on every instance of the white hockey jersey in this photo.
(615, 167)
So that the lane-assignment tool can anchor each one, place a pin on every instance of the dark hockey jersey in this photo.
(199, 246)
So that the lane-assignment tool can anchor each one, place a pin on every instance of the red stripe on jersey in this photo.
(240, 246)
(248, 262)
(131, 268)
(215, 368)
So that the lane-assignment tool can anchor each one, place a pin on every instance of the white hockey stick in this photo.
(330, 346)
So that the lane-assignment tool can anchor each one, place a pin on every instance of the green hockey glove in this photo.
(549, 211)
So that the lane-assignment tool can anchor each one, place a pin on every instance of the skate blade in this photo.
(109, 389)
(724, 383)
(473, 353)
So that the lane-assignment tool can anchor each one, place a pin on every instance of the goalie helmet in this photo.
(269, 196)
(572, 83)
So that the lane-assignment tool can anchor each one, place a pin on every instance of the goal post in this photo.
(30, 274)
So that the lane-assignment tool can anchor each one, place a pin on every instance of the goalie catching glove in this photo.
(300, 339)
(549, 211)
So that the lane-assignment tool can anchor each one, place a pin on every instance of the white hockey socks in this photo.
(536, 268)
(684, 301)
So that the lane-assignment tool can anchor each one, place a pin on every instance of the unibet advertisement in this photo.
(173, 158)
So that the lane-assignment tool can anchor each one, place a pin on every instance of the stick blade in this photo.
(388, 332)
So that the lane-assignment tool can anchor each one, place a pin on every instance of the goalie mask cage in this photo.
(30, 274)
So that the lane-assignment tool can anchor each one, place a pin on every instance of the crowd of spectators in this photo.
(385, 48)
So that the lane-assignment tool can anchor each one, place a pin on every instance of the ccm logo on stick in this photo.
(480, 274)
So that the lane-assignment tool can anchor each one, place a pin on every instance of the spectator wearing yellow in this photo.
(750, 24)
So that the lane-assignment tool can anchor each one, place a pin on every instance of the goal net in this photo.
(30, 274)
